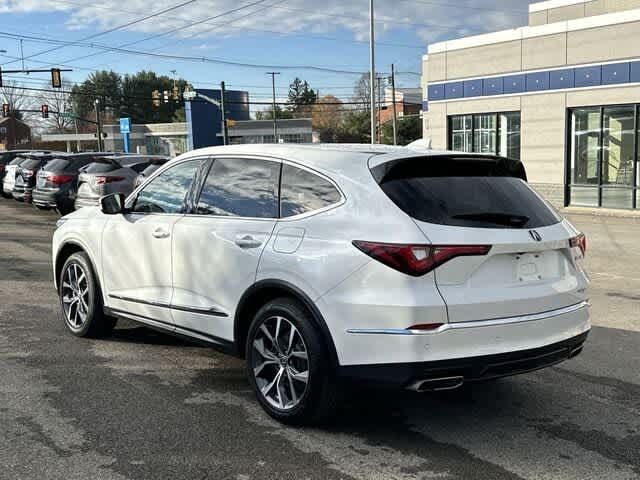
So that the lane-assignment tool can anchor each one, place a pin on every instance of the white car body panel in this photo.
(367, 306)
(9, 178)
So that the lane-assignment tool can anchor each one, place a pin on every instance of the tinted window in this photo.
(150, 169)
(57, 165)
(138, 167)
(101, 166)
(16, 161)
(241, 187)
(303, 191)
(466, 192)
(167, 192)
(30, 164)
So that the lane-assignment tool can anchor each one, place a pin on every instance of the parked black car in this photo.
(56, 183)
(26, 174)
(11, 157)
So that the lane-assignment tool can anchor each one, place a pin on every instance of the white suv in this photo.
(419, 270)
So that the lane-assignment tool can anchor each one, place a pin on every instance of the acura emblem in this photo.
(535, 235)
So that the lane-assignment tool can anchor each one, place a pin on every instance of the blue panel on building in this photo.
(537, 81)
(453, 90)
(436, 92)
(559, 79)
(634, 73)
(615, 73)
(588, 76)
(514, 84)
(492, 86)
(473, 88)
(204, 119)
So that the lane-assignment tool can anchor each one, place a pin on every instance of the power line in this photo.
(119, 27)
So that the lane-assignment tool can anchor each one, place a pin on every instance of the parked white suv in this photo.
(419, 270)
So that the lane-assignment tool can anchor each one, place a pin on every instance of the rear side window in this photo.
(150, 169)
(30, 164)
(138, 167)
(464, 192)
(241, 187)
(17, 161)
(167, 192)
(302, 192)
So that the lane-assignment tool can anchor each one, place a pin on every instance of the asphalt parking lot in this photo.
(143, 405)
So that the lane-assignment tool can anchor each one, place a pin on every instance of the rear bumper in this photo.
(51, 198)
(473, 369)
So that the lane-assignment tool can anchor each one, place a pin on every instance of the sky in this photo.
(265, 35)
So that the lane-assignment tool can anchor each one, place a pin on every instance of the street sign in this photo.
(125, 125)
(65, 114)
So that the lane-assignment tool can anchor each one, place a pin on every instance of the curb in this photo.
(601, 212)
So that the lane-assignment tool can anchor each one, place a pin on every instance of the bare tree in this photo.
(13, 95)
(362, 90)
(59, 103)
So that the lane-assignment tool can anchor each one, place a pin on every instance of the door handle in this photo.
(248, 241)
(160, 233)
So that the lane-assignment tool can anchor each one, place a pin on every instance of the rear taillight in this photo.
(59, 179)
(103, 180)
(579, 241)
(28, 173)
(417, 260)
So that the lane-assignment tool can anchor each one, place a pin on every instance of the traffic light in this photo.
(5, 109)
(230, 123)
(45, 111)
(155, 96)
(165, 96)
(0, 77)
(56, 78)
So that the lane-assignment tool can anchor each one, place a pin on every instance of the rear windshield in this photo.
(57, 165)
(17, 161)
(31, 163)
(465, 192)
(100, 166)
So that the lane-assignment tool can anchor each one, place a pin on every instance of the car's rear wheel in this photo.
(81, 299)
(288, 364)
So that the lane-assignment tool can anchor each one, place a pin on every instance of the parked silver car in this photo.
(113, 174)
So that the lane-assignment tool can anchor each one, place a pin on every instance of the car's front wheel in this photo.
(80, 299)
(288, 364)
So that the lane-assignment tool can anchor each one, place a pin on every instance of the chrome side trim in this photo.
(473, 324)
(183, 308)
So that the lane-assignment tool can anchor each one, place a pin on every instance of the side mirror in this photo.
(112, 204)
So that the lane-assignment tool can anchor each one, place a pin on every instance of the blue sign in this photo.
(125, 125)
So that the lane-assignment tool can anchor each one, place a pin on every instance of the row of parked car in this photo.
(68, 181)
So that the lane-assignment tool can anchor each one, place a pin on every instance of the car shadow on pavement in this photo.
(132, 333)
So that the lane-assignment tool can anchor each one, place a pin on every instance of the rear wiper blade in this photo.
(494, 217)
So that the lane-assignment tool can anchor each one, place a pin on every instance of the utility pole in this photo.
(96, 103)
(379, 109)
(275, 113)
(372, 72)
(393, 92)
(225, 130)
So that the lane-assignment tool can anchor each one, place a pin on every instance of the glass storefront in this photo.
(604, 151)
(495, 133)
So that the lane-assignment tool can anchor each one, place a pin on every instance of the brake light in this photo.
(417, 260)
(59, 179)
(103, 180)
(579, 241)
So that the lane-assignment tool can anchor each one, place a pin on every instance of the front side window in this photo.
(168, 191)
(241, 187)
(303, 191)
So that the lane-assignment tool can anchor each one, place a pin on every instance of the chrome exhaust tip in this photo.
(436, 384)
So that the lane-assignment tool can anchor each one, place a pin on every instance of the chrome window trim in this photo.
(473, 324)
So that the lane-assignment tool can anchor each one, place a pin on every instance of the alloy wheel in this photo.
(280, 363)
(75, 296)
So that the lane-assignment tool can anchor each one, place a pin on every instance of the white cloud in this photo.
(430, 20)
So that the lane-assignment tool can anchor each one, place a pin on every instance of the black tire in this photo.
(95, 323)
(319, 400)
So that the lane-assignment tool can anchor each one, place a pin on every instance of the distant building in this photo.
(152, 138)
(14, 134)
(562, 94)
(294, 130)
(408, 102)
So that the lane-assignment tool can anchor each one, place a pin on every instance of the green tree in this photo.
(356, 127)
(136, 98)
(301, 97)
(103, 85)
(409, 129)
(267, 114)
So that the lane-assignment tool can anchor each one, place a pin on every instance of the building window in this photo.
(603, 156)
(495, 133)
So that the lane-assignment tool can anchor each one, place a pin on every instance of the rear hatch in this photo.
(94, 176)
(26, 173)
(55, 173)
(533, 263)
